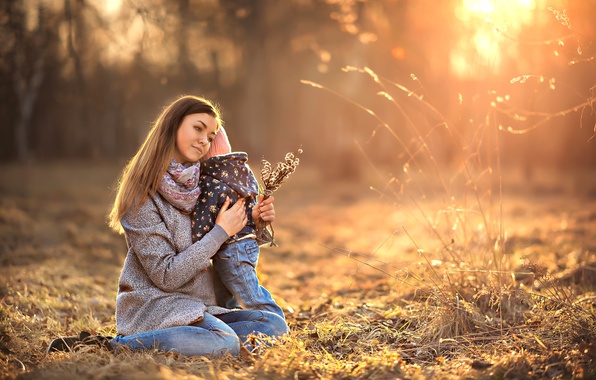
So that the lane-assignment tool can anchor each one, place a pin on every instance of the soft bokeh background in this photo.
(444, 209)
(84, 79)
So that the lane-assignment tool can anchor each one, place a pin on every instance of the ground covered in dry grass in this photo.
(425, 285)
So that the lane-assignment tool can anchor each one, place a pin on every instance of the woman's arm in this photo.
(153, 243)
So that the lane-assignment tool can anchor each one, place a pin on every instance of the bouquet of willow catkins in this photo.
(272, 178)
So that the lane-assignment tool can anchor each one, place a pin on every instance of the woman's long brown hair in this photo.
(142, 174)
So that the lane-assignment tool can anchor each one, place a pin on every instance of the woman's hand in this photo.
(264, 210)
(234, 219)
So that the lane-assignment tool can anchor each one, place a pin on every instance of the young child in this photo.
(226, 174)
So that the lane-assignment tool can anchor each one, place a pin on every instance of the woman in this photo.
(169, 297)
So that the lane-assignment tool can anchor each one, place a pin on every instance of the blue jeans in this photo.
(236, 265)
(212, 336)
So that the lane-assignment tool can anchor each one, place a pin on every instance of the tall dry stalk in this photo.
(479, 172)
(468, 227)
(472, 175)
(272, 177)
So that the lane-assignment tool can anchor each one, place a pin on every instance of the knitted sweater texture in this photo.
(167, 280)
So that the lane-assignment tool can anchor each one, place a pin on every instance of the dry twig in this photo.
(272, 178)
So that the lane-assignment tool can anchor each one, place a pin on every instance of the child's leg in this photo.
(223, 295)
(236, 265)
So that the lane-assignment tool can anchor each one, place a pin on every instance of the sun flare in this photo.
(480, 42)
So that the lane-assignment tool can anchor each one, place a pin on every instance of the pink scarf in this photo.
(180, 186)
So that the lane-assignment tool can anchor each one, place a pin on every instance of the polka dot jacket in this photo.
(227, 175)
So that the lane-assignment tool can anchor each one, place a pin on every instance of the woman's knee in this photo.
(225, 343)
(220, 337)
(213, 343)
(276, 324)
(279, 324)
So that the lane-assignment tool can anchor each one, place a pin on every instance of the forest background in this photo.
(83, 79)
(442, 220)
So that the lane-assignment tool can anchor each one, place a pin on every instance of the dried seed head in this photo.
(272, 178)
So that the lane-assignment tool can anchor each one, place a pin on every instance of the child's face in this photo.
(194, 137)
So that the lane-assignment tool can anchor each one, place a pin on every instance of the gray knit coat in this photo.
(166, 280)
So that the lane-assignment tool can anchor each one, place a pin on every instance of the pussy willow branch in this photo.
(273, 178)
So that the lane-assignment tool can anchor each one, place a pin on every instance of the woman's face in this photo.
(194, 137)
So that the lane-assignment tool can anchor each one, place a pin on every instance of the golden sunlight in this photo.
(112, 6)
(479, 6)
(483, 22)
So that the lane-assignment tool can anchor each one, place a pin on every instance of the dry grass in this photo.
(420, 270)
(392, 309)
(431, 271)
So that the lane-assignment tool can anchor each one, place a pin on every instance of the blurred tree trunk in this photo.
(29, 66)
(269, 72)
(75, 44)
(183, 22)
(27, 92)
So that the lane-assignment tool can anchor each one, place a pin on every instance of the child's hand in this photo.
(234, 219)
(264, 210)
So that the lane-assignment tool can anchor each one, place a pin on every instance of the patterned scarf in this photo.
(180, 186)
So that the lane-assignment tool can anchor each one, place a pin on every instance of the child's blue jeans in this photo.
(236, 265)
